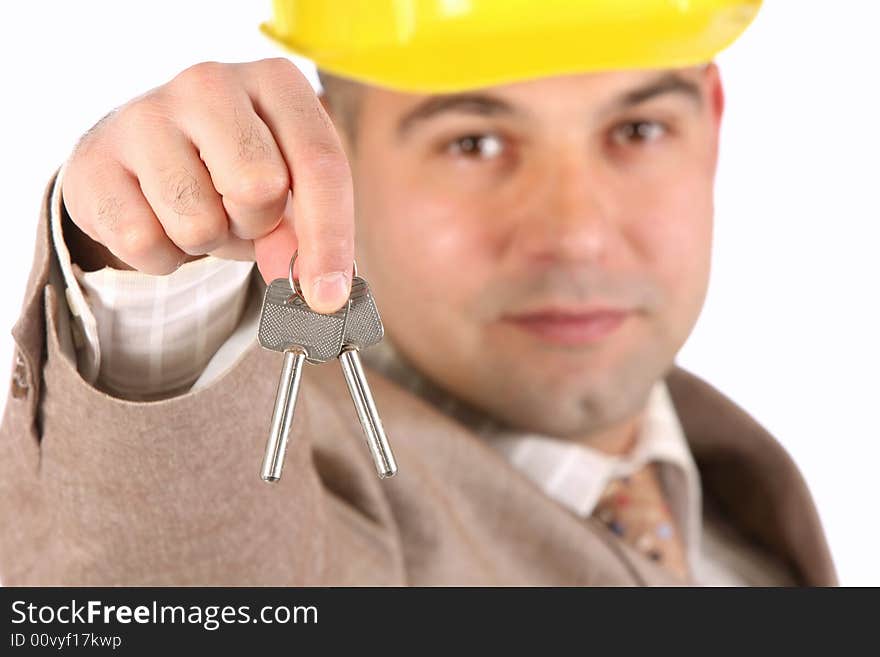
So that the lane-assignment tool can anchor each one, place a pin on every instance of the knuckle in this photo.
(198, 236)
(327, 160)
(138, 243)
(202, 77)
(80, 161)
(281, 68)
(92, 140)
(143, 114)
(260, 189)
(290, 87)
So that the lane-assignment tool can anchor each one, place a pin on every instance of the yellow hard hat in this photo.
(437, 46)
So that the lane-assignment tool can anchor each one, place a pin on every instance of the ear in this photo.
(715, 90)
(715, 96)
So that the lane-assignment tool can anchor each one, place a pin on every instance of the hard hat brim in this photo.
(439, 53)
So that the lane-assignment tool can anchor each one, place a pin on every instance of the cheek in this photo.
(424, 254)
(674, 230)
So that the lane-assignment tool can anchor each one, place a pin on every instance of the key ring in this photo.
(294, 284)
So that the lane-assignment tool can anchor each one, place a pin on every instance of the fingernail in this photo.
(330, 290)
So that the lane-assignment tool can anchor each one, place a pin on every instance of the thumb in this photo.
(324, 283)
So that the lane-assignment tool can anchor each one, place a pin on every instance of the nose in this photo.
(569, 214)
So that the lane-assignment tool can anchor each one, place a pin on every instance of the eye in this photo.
(481, 147)
(637, 132)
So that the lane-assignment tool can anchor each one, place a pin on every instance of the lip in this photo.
(569, 327)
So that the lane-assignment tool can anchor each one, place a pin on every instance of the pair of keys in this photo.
(288, 325)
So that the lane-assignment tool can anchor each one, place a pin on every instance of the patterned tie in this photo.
(634, 508)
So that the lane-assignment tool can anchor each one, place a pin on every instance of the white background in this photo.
(791, 324)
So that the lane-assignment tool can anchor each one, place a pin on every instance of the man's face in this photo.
(541, 249)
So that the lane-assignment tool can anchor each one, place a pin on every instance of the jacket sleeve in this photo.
(97, 490)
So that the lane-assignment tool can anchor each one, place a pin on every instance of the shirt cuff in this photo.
(83, 325)
(142, 336)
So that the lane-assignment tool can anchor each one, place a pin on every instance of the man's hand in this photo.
(206, 164)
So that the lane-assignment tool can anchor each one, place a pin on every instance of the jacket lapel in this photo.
(752, 478)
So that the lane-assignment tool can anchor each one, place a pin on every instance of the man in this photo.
(534, 214)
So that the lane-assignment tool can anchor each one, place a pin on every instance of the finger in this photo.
(113, 211)
(273, 252)
(322, 188)
(245, 165)
(179, 188)
(235, 249)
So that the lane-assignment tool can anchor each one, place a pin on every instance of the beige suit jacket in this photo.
(96, 490)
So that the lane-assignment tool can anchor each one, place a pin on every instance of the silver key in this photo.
(289, 325)
(363, 328)
(287, 321)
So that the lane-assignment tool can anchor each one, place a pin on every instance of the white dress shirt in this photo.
(147, 337)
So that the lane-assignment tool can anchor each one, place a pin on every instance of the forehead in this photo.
(588, 91)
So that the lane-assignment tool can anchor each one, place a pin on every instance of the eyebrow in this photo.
(486, 105)
(668, 83)
(466, 103)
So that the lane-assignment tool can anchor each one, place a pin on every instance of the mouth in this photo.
(570, 328)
